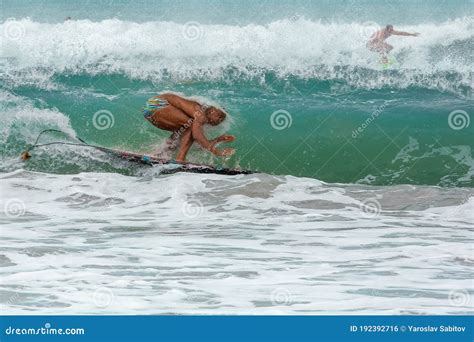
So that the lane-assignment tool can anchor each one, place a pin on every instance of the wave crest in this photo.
(299, 47)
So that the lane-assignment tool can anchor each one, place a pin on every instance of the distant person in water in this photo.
(377, 41)
(185, 118)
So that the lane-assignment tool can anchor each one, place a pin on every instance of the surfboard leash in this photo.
(25, 155)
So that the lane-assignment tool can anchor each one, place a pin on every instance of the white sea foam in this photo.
(299, 47)
(96, 243)
(20, 117)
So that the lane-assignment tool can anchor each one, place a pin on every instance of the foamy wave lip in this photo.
(21, 123)
(18, 114)
(211, 230)
(299, 47)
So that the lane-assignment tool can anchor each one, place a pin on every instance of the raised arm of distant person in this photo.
(401, 33)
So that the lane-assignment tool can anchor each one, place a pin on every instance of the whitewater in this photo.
(294, 46)
(232, 245)
(362, 199)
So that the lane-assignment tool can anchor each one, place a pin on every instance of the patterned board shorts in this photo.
(152, 105)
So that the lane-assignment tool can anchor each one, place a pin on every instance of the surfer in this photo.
(185, 118)
(377, 41)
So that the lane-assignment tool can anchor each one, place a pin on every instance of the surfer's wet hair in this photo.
(389, 27)
(216, 115)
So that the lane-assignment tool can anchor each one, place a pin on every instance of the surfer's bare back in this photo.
(377, 41)
(185, 118)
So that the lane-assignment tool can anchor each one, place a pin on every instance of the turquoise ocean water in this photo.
(343, 117)
(365, 198)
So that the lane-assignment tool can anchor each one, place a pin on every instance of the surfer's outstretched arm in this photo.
(210, 145)
(401, 33)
